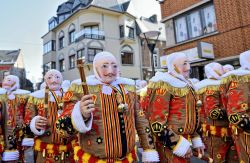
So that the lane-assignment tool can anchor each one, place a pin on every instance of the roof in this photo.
(66, 7)
(125, 5)
(109, 4)
(71, 5)
(9, 56)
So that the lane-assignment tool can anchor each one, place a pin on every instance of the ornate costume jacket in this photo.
(110, 134)
(49, 145)
(170, 105)
(12, 109)
(214, 121)
(213, 110)
(237, 84)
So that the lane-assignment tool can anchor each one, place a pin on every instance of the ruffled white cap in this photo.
(172, 59)
(211, 68)
(228, 68)
(100, 56)
(65, 85)
(43, 85)
(245, 60)
(53, 71)
(16, 80)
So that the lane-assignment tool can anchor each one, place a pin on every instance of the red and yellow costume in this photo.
(214, 123)
(170, 105)
(109, 136)
(50, 146)
(2, 91)
(12, 112)
(237, 84)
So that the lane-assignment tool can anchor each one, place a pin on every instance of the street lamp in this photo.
(160, 1)
(151, 38)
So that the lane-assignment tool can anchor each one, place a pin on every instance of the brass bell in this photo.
(199, 103)
(120, 107)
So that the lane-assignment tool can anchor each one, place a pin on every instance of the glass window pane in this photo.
(92, 52)
(121, 31)
(80, 53)
(209, 19)
(61, 65)
(127, 57)
(181, 29)
(72, 61)
(72, 36)
(194, 24)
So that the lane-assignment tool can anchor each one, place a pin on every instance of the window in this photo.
(196, 23)
(127, 58)
(80, 53)
(130, 32)
(63, 17)
(71, 36)
(181, 29)
(72, 61)
(91, 30)
(92, 52)
(121, 27)
(49, 66)
(49, 46)
(61, 65)
(52, 24)
(61, 42)
(209, 19)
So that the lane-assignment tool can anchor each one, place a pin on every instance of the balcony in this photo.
(89, 34)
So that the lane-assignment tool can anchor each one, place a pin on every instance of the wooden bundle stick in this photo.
(46, 101)
(80, 66)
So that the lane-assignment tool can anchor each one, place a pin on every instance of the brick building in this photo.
(11, 63)
(224, 24)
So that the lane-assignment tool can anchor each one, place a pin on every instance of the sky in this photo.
(22, 24)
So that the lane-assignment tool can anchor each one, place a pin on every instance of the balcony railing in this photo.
(90, 34)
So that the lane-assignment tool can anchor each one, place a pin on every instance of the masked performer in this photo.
(237, 84)
(171, 106)
(108, 118)
(43, 109)
(12, 107)
(214, 122)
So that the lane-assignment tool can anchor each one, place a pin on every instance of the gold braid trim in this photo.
(76, 88)
(35, 100)
(3, 97)
(210, 88)
(25, 96)
(173, 90)
(130, 88)
(237, 78)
